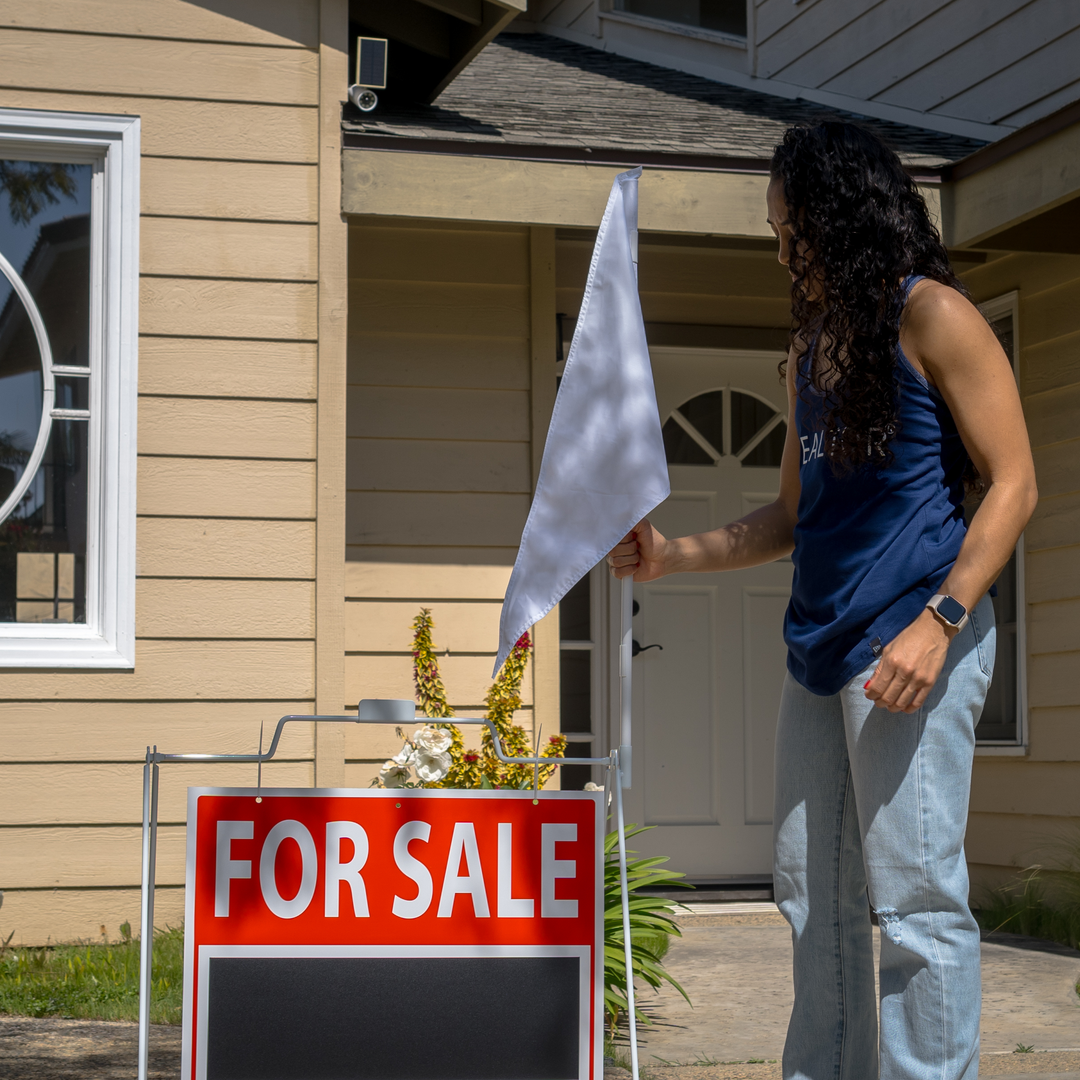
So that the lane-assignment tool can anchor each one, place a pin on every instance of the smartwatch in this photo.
(949, 610)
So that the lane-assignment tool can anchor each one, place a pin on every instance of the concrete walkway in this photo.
(735, 963)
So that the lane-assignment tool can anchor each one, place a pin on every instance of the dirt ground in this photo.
(83, 1050)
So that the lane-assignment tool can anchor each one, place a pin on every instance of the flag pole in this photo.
(626, 635)
(631, 1005)
(626, 655)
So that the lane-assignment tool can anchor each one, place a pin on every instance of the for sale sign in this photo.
(384, 934)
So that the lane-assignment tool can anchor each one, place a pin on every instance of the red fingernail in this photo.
(868, 682)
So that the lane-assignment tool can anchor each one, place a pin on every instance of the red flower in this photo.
(472, 759)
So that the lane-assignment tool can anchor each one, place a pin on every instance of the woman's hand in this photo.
(910, 665)
(639, 554)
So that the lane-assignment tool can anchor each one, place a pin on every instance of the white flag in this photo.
(604, 466)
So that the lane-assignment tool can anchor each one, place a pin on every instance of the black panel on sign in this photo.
(367, 1018)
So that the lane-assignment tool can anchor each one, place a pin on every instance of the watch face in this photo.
(951, 610)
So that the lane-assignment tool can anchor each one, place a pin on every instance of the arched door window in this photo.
(725, 423)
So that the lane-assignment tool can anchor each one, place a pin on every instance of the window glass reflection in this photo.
(45, 236)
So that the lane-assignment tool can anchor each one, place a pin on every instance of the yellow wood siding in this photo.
(230, 98)
(1020, 804)
(440, 455)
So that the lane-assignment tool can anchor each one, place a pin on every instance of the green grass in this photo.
(93, 982)
(1043, 901)
(1027, 907)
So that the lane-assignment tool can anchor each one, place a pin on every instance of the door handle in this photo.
(635, 647)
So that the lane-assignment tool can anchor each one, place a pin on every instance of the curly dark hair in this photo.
(858, 227)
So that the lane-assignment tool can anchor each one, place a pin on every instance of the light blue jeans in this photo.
(871, 809)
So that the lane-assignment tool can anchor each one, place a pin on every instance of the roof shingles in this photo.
(536, 90)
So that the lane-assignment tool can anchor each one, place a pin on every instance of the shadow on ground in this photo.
(53, 1049)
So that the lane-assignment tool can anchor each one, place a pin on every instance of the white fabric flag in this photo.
(604, 467)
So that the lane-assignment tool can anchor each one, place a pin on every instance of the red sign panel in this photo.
(318, 919)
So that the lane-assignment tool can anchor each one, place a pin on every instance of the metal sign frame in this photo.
(382, 711)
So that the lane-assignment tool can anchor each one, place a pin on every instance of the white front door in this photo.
(705, 706)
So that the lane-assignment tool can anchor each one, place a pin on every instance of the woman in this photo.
(899, 396)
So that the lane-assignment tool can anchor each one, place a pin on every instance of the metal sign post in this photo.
(371, 711)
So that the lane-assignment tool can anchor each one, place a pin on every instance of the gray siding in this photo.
(988, 61)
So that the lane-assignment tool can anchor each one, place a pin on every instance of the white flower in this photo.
(406, 757)
(394, 774)
(590, 786)
(432, 739)
(431, 767)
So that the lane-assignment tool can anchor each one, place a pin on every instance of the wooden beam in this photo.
(468, 188)
(545, 666)
(330, 490)
(1036, 178)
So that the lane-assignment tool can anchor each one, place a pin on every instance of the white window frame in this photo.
(1009, 304)
(111, 145)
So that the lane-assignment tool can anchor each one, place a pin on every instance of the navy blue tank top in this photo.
(872, 546)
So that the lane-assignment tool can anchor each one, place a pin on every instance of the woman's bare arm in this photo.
(762, 536)
(947, 338)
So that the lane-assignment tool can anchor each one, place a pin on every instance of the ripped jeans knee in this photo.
(889, 921)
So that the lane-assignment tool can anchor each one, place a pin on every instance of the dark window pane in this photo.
(998, 720)
(769, 452)
(680, 448)
(1004, 327)
(575, 691)
(706, 413)
(72, 392)
(575, 777)
(43, 543)
(45, 235)
(574, 621)
(726, 16)
(748, 416)
(999, 715)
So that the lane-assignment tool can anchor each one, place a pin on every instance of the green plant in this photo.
(652, 925)
(1039, 903)
(92, 981)
(441, 760)
(1022, 1049)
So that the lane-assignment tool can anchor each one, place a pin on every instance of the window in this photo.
(724, 16)
(1003, 721)
(580, 672)
(725, 423)
(69, 203)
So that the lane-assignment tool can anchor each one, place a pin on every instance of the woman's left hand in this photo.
(910, 665)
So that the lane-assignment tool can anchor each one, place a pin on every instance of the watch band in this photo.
(949, 610)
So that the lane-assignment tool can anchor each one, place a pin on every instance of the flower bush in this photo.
(436, 752)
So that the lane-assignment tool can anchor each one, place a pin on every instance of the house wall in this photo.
(1019, 804)
(451, 376)
(232, 307)
(1000, 62)
(997, 64)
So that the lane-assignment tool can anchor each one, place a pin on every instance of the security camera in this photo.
(370, 72)
(363, 98)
